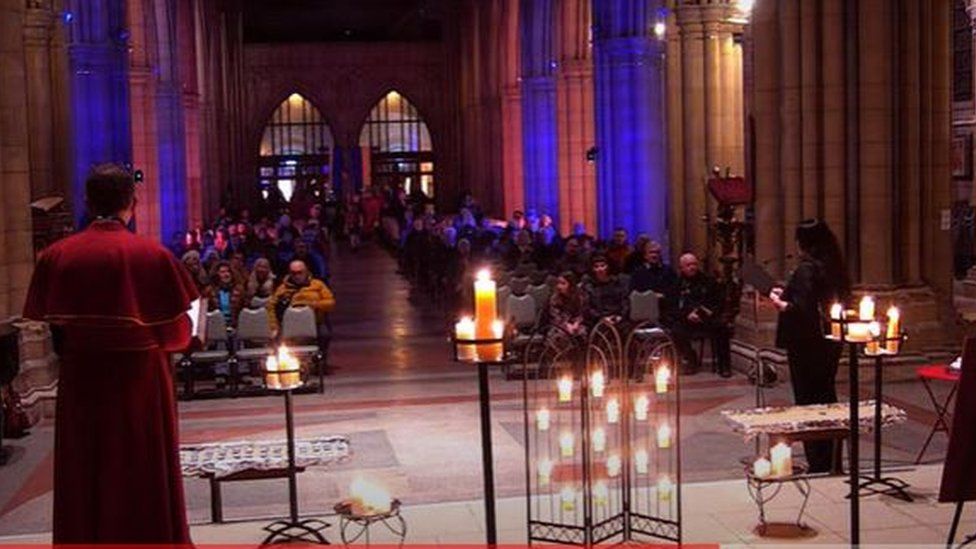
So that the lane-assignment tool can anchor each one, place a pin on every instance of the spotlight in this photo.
(137, 176)
(659, 29)
(591, 154)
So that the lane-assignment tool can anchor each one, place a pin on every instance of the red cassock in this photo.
(117, 303)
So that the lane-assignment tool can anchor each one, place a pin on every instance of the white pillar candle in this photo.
(542, 419)
(597, 383)
(874, 333)
(566, 443)
(599, 440)
(664, 436)
(866, 309)
(664, 488)
(761, 468)
(640, 461)
(613, 466)
(613, 410)
(641, 405)
(565, 386)
(836, 310)
(661, 378)
(781, 457)
(545, 471)
(859, 332)
(894, 330)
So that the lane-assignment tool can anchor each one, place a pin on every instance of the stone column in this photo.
(574, 110)
(629, 111)
(540, 164)
(39, 23)
(511, 90)
(189, 61)
(142, 93)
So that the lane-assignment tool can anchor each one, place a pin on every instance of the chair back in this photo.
(259, 302)
(521, 310)
(519, 284)
(644, 306)
(253, 325)
(540, 294)
(298, 324)
(501, 301)
(216, 327)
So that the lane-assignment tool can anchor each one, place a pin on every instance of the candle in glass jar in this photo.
(566, 443)
(761, 468)
(661, 378)
(464, 329)
(866, 309)
(599, 439)
(613, 466)
(597, 383)
(600, 493)
(664, 488)
(542, 419)
(664, 436)
(568, 498)
(640, 461)
(836, 310)
(545, 471)
(874, 332)
(565, 386)
(894, 330)
(613, 410)
(781, 457)
(641, 405)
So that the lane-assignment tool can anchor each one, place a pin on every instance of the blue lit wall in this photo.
(101, 125)
(629, 107)
(171, 168)
(539, 156)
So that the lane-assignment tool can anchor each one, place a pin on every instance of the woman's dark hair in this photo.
(817, 241)
(572, 301)
(109, 189)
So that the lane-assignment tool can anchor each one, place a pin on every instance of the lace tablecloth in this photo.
(226, 458)
(811, 417)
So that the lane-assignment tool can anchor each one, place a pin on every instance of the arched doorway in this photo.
(398, 144)
(295, 155)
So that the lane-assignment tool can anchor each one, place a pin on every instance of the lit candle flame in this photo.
(373, 498)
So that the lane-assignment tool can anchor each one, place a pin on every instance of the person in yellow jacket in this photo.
(299, 288)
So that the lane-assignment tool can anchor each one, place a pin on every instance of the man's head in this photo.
(110, 191)
(652, 253)
(298, 272)
(301, 248)
(688, 265)
(601, 268)
(572, 247)
(224, 273)
(620, 236)
(262, 268)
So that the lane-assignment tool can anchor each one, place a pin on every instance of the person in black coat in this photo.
(692, 310)
(820, 278)
(651, 273)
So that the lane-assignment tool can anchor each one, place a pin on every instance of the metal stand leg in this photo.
(955, 524)
(487, 460)
(941, 424)
(853, 448)
(877, 484)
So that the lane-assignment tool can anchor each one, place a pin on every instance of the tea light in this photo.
(600, 493)
(664, 436)
(613, 466)
(566, 443)
(464, 329)
(661, 378)
(874, 329)
(664, 488)
(565, 386)
(597, 383)
(271, 378)
(640, 461)
(781, 457)
(858, 331)
(641, 405)
(545, 471)
(599, 440)
(762, 468)
(894, 330)
(836, 310)
(866, 309)
(568, 498)
(542, 419)
(613, 410)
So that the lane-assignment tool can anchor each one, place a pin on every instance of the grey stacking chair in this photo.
(259, 302)
(254, 334)
(644, 306)
(540, 293)
(217, 339)
(298, 328)
(522, 311)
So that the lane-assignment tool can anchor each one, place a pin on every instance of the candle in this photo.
(566, 443)
(484, 311)
(874, 330)
(893, 334)
(859, 332)
(271, 378)
(542, 419)
(641, 404)
(664, 436)
(545, 471)
(761, 468)
(613, 410)
(492, 352)
(464, 329)
(662, 377)
(836, 310)
(781, 457)
(565, 385)
(568, 498)
(640, 461)
(613, 466)
(664, 488)
(600, 493)
(866, 310)
(599, 439)
(289, 369)
(597, 383)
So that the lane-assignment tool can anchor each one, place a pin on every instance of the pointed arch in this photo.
(295, 151)
(397, 141)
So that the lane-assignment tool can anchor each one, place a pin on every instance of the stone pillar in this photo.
(142, 93)
(511, 110)
(629, 111)
(39, 20)
(540, 163)
(189, 62)
(574, 110)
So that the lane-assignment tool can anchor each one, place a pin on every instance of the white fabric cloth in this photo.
(226, 458)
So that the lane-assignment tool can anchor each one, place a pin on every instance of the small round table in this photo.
(928, 374)
(763, 490)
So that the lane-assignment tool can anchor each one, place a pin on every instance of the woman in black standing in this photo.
(820, 279)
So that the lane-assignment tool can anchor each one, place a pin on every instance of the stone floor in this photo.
(412, 416)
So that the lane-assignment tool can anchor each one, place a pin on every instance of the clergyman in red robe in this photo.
(117, 306)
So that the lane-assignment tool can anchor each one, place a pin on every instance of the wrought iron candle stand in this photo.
(293, 529)
(351, 516)
(876, 483)
(602, 438)
(764, 489)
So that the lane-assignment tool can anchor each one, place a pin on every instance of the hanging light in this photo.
(660, 29)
